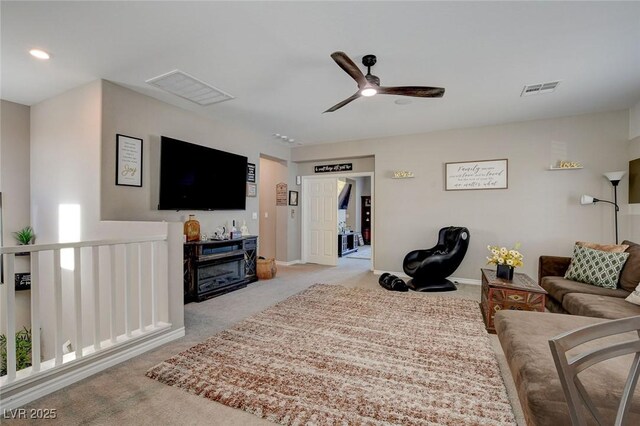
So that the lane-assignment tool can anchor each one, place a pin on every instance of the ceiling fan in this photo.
(369, 85)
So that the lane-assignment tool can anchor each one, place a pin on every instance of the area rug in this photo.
(332, 355)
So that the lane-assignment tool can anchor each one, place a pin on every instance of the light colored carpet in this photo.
(334, 355)
(364, 252)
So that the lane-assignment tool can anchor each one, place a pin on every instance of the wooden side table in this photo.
(522, 293)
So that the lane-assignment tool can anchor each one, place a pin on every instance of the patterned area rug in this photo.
(333, 355)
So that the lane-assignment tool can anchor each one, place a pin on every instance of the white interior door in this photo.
(321, 220)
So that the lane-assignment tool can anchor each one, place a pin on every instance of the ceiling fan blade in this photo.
(417, 91)
(343, 103)
(349, 67)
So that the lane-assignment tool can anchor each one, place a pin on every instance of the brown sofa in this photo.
(524, 337)
(571, 297)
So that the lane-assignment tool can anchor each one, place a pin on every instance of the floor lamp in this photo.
(614, 178)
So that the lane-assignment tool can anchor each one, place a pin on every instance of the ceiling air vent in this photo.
(190, 88)
(539, 88)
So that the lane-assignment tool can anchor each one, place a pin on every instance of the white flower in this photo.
(503, 256)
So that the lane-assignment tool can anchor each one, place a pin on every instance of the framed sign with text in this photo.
(251, 172)
(281, 194)
(467, 175)
(128, 161)
(328, 168)
(252, 190)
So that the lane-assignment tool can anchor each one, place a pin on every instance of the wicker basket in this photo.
(266, 269)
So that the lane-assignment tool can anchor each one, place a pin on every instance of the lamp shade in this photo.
(615, 176)
(586, 199)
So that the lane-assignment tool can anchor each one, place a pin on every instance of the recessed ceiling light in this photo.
(40, 54)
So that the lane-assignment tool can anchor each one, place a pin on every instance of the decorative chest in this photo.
(522, 293)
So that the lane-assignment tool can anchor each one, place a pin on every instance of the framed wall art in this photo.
(469, 175)
(251, 172)
(293, 198)
(252, 190)
(281, 194)
(128, 161)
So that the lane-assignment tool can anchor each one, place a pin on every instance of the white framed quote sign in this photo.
(128, 161)
(485, 174)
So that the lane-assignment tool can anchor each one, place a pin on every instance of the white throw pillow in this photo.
(634, 297)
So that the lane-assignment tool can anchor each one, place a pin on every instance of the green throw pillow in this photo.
(596, 267)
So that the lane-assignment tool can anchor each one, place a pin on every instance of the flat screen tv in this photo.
(195, 177)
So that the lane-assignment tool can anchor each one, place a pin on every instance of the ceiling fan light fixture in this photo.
(40, 54)
(368, 90)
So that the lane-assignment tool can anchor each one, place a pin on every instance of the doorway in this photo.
(272, 218)
(327, 225)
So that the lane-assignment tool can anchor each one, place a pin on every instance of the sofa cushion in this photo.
(524, 338)
(558, 287)
(552, 305)
(630, 275)
(615, 248)
(634, 297)
(593, 305)
(600, 268)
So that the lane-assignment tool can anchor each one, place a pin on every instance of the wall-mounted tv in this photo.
(195, 177)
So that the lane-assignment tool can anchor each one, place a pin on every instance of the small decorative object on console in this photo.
(192, 229)
(244, 229)
(505, 272)
(505, 260)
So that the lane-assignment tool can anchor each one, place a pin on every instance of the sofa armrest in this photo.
(554, 266)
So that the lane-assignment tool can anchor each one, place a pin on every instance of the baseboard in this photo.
(293, 262)
(470, 281)
(61, 379)
(402, 275)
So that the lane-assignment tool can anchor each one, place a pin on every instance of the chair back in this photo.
(454, 239)
(569, 366)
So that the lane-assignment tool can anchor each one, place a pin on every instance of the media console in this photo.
(212, 267)
(347, 243)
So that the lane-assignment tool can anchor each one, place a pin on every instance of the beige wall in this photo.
(273, 219)
(130, 113)
(65, 160)
(306, 167)
(634, 121)
(66, 145)
(540, 208)
(14, 186)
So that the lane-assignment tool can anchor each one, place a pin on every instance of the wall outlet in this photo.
(266, 215)
(254, 215)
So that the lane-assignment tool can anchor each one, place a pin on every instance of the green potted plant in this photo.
(25, 236)
(23, 350)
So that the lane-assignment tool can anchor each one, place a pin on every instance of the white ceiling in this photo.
(274, 58)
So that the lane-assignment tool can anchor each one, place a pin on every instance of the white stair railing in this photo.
(116, 260)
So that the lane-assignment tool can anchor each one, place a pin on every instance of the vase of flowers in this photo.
(505, 260)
